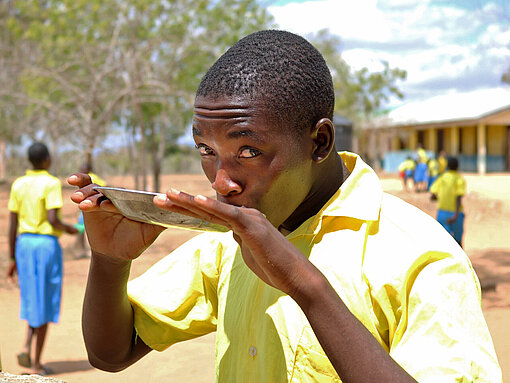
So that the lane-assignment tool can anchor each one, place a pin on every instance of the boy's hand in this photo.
(11, 271)
(109, 232)
(451, 219)
(265, 250)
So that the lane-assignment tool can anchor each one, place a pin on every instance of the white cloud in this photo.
(354, 19)
(442, 48)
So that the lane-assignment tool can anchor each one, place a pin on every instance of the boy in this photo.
(420, 172)
(317, 280)
(406, 171)
(35, 202)
(449, 189)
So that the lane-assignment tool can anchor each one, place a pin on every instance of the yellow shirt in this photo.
(443, 163)
(433, 167)
(31, 197)
(448, 187)
(407, 165)
(96, 179)
(422, 155)
(420, 298)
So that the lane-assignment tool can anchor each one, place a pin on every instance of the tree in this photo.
(184, 37)
(102, 60)
(11, 112)
(359, 93)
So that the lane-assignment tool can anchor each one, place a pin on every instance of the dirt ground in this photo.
(486, 241)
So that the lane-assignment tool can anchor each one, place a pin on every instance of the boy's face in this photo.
(248, 160)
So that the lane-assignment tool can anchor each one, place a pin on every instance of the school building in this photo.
(474, 127)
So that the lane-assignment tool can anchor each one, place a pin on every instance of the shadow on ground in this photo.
(493, 269)
(68, 366)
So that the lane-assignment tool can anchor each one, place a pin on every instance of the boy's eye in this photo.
(248, 153)
(204, 150)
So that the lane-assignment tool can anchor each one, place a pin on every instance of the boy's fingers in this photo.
(79, 179)
(93, 201)
(185, 205)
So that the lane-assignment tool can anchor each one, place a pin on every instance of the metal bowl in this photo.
(138, 205)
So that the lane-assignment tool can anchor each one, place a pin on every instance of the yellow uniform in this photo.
(422, 155)
(31, 197)
(433, 168)
(407, 165)
(419, 298)
(443, 163)
(448, 187)
(96, 179)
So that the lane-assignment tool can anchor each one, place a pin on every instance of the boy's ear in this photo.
(323, 137)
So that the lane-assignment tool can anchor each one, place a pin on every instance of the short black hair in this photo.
(279, 69)
(37, 154)
(453, 163)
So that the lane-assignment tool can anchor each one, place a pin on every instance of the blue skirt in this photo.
(420, 173)
(39, 264)
(456, 228)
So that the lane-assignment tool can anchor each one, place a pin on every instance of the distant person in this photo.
(35, 225)
(442, 160)
(406, 172)
(432, 171)
(81, 245)
(420, 172)
(449, 189)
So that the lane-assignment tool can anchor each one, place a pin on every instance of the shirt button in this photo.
(252, 351)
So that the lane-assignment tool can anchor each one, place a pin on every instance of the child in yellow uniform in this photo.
(406, 171)
(323, 276)
(449, 189)
(442, 161)
(35, 202)
(433, 171)
(420, 172)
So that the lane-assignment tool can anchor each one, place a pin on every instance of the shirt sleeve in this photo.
(13, 204)
(54, 198)
(460, 187)
(442, 335)
(176, 299)
(434, 188)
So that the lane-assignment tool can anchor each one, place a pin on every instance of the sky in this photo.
(445, 46)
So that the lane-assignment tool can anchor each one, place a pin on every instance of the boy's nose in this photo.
(225, 185)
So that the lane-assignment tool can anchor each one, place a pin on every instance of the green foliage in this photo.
(359, 94)
(75, 70)
(133, 62)
(505, 78)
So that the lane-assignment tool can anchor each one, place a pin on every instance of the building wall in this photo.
(431, 140)
(468, 140)
(457, 141)
(496, 140)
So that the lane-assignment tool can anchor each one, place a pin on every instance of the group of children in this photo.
(440, 177)
(420, 172)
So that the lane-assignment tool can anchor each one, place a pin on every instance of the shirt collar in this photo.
(359, 197)
(36, 172)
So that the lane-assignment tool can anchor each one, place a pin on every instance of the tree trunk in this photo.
(3, 160)
(142, 151)
(160, 154)
(156, 164)
(132, 158)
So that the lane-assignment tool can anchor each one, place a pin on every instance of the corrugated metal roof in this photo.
(447, 107)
